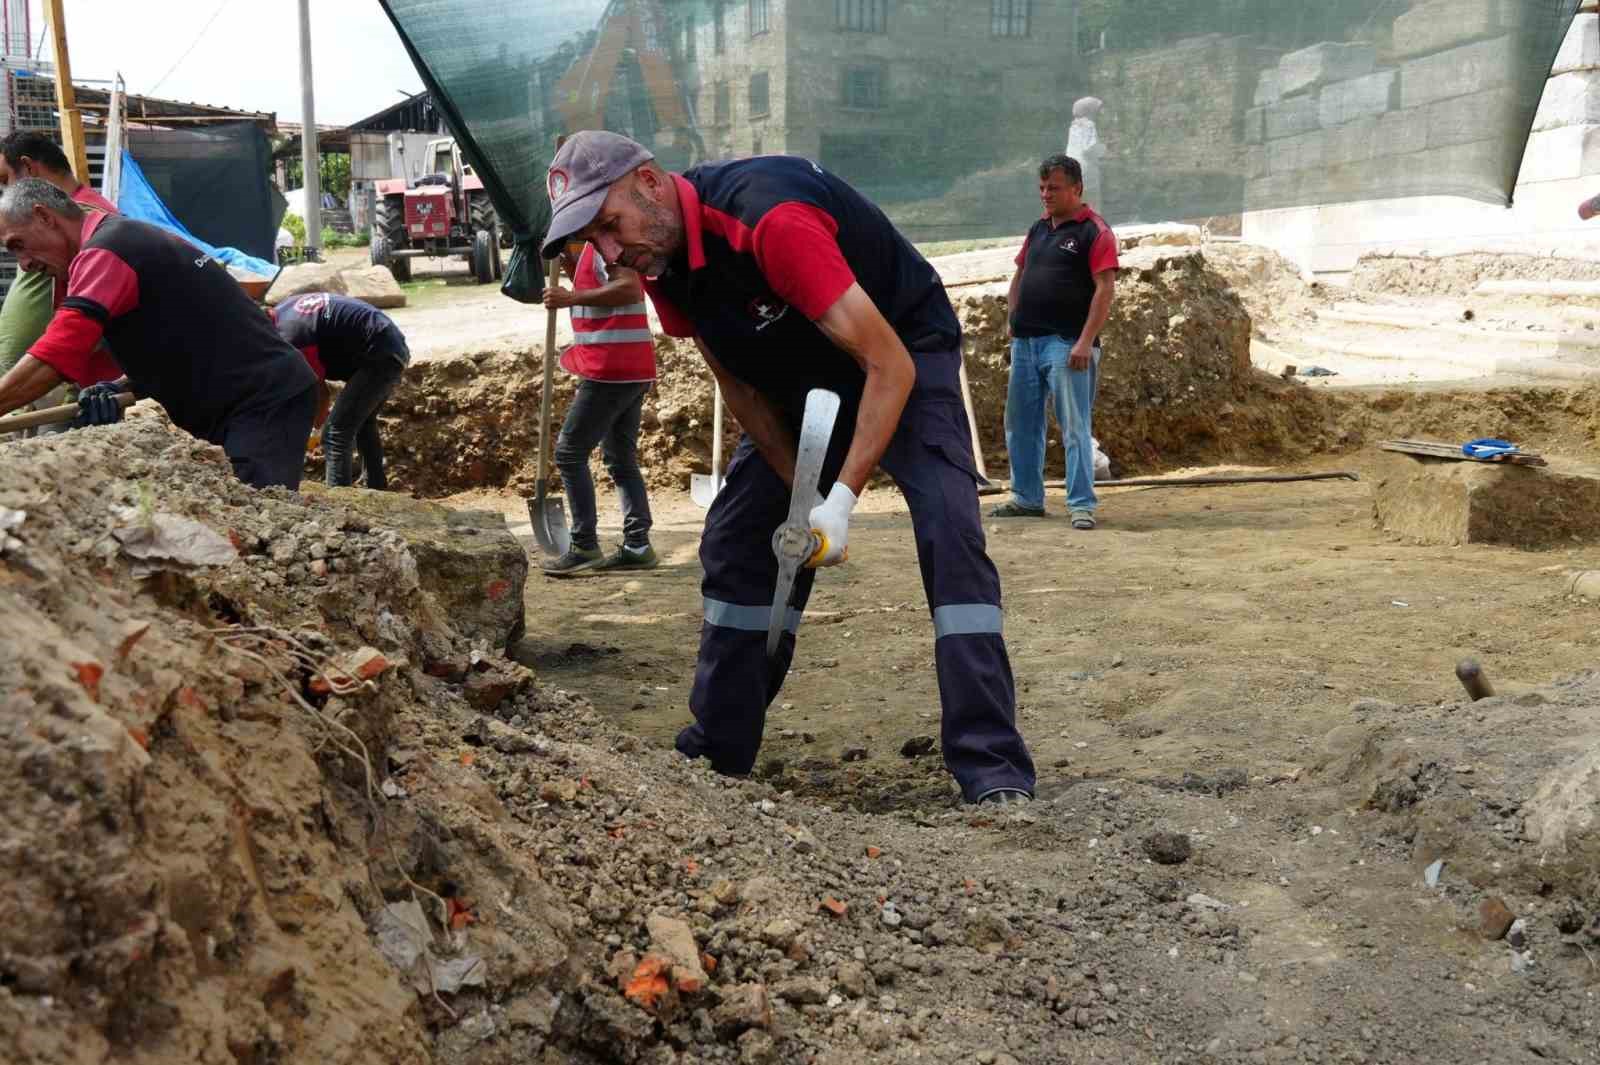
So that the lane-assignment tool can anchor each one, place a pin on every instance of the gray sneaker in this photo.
(1014, 509)
(630, 558)
(575, 561)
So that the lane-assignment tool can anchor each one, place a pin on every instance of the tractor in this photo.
(443, 214)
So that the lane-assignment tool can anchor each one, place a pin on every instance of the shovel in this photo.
(53, 415)
(704, 489)
(548, 516)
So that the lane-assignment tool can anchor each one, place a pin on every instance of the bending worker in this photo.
(789, 280)
(31, 300)
(181, 330)
(344, 339)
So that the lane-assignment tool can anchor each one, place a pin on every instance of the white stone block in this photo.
(1345, 101)
(1569, 100)
(1322, 63)
(1269, 87)
(1561, 154)
(1458, 72)
(1581, 49)
(1439, 24)
(1291, 117)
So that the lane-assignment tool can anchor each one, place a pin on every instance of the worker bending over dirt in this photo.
(344, 339)
(614, 359)
(1060, 299)
(181, 331)
(789, 280)
(31, 300)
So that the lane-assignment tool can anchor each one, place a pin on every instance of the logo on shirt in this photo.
(312, 305)
(766, 311)
(201, 262)
(1069, 246)
(559, 182)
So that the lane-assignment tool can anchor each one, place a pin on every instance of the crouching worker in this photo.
(344, 339)
(181, 331)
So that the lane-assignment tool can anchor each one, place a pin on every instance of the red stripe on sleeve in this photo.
(104, 278)
(796, 245)
(674, 322)
(1103, 253)
(69, 348)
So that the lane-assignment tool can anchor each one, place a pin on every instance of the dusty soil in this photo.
(1458, 275)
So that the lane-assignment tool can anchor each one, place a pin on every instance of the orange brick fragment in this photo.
(140, 736)
(970, 885)
(467, 758)
(649, 981)
(873, 852)
(691, 867)
(129, 640)
(835, 906)
(708, 962)
(89, 674)
(461, 914)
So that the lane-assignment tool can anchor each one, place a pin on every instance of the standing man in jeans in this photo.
(1060, 300)
(614, 358)
(344, 339)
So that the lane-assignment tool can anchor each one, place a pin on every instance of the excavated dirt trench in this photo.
(1177, 389)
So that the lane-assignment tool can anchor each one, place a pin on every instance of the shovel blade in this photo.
(703, 489)
(549, 520)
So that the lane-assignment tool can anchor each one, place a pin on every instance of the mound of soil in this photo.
(1457, 275)
(1176, 388)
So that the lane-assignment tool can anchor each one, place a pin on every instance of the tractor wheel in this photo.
(481, 213)
(483, 256)
(388, 236)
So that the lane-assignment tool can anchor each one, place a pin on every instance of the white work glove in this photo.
(831, 518)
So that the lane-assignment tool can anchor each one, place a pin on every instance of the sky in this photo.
(248, 58)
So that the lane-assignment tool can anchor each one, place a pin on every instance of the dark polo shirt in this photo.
(1059, 261)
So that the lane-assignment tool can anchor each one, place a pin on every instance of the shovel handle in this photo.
(55, 415)
(549, 375)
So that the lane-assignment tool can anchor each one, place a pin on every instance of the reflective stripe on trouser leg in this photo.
(734, 680)
(931, 460)
(747, 618)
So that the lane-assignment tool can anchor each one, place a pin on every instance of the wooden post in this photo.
(66, 98)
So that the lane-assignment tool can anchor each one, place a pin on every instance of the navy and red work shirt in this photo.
(1059, 261)
(339, 335)
(772, 243)
(179, 326)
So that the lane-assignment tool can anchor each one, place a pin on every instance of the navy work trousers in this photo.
(930, 459)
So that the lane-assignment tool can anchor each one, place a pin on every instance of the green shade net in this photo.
(941, 110)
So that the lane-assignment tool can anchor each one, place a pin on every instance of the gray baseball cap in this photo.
(580, 176)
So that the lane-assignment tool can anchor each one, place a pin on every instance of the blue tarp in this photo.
(137, 199)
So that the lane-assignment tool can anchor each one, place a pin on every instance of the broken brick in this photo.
(89, 674)
(835, 906)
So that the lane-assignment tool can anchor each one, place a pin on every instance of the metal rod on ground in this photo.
(54, 415)
(1194, 482)
(1472, 678)
(310, 159)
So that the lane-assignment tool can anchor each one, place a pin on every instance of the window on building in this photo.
(862, 16)
(759, 14)
(863, 87)
(719, 31)
(723, 106)
(1009, 18)
(760, 95)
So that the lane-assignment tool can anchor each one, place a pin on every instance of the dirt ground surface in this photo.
(274, 795)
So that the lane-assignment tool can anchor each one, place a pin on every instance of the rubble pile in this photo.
(267, 804)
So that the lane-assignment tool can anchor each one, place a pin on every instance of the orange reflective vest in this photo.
(612, 343)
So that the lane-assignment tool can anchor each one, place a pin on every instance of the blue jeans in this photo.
(1039, 372)
(606, 414)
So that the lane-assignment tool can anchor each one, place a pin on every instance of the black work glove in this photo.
(97, 405)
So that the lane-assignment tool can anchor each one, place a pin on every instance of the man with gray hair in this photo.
(181, 331)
